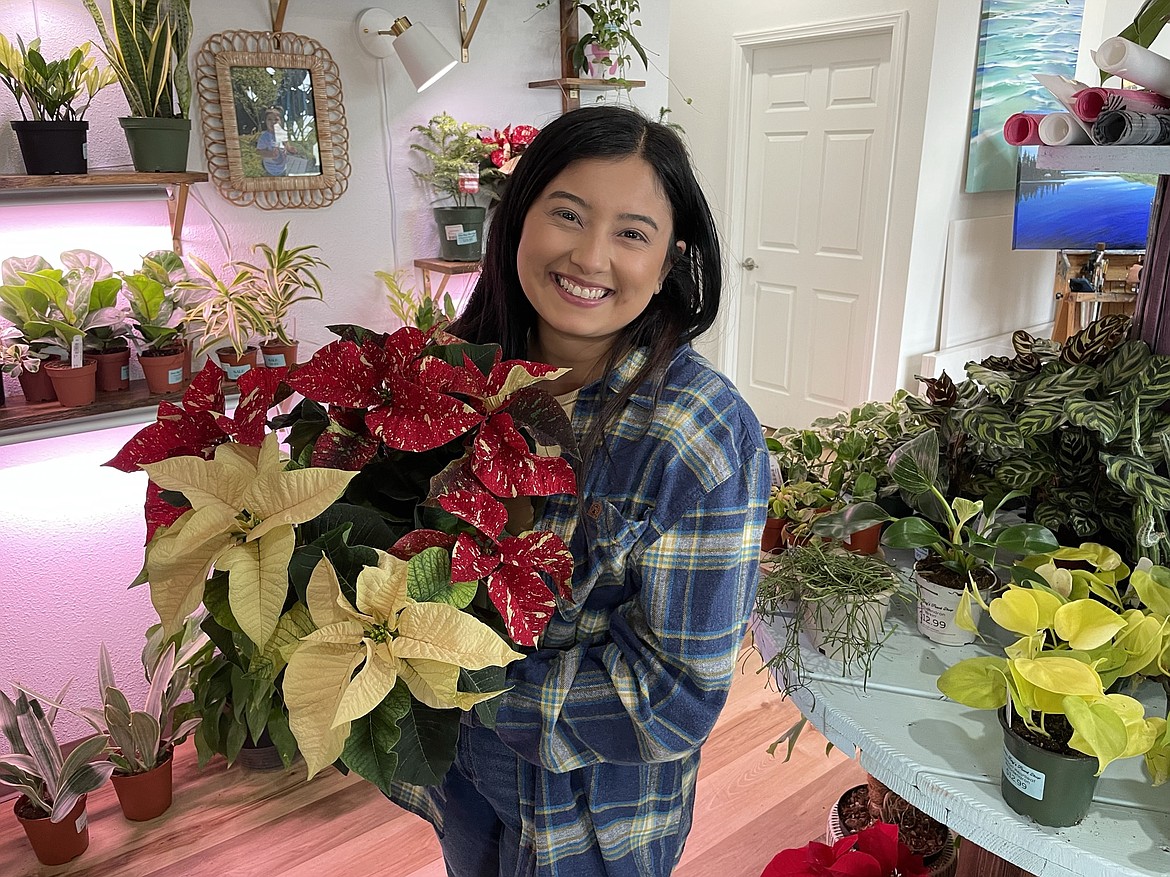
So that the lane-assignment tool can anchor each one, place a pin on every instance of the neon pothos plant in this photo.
(377, 547)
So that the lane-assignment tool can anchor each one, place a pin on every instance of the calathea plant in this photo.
(384, 520)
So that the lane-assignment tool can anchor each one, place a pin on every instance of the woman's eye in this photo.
(567, 215)
(633, 235)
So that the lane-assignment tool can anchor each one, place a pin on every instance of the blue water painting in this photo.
(1017, 38)
(1077, 212)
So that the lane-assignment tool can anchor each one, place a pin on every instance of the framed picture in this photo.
(273, 121)
(1017, 38)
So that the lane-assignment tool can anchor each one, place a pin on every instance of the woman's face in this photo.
(594, 250)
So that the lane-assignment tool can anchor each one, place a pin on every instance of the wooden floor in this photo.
(250, 824)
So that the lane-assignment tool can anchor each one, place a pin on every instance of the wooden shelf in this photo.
(446, 270)
(582, 82)
(18, 414)
(180, 183)
(127, 178)
(1118, 159)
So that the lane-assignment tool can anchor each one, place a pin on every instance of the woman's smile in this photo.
(580, 292)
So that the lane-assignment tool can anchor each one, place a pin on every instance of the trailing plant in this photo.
(285, 278)
(51, 781)
(612, 26)
(52, 91)
(451, 150)
(147, 46)
(414, 308)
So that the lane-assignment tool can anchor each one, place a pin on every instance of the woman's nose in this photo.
(591, 252)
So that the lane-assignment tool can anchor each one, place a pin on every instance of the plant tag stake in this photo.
(469, 182)
(75, 352)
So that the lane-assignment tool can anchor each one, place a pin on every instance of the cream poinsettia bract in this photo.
(389, 636)
(244, 505)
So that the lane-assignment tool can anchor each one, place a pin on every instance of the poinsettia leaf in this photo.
(502, 461)
(542, 551)
(428, 579)
(513, 375)
(357, 334)
(257, 394)
(468, 563)
(456, 476)
(205, 392)
(438, 374)
(482, 356)
(341, 449)
(149, 445)
(365, 525)
(418, 541)
(403, 347)
(369, 749)
(523, 600)
(541, 417)
(483, 681)
(419, 419)
(159, 512)
(478, 508)
(342, 373)
(426, 747)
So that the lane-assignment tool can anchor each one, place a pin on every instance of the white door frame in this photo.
(746, 43)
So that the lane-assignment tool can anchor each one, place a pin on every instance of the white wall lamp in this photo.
(423, 56)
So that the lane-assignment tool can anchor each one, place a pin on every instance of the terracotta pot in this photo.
(276, 355)
(55, 843)
(164, 373)
(113, 370)
(188, 355)
(145, 795)
(75, 387)
(37, 386)
(865, 541)
(772, 530)
(234, 365)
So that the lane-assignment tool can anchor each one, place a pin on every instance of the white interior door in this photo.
(820, 131)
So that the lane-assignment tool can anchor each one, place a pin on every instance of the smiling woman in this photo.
(603, 258)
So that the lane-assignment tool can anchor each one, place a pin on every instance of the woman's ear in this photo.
(672, 255)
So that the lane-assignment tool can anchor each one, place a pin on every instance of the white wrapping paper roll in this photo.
(1062, 129)
(1128, 60)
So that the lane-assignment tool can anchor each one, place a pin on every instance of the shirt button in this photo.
(594, 510)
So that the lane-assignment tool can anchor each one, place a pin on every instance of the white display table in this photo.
(945, 759)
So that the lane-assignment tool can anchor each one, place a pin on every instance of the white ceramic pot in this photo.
(825, 624)
(937, 605)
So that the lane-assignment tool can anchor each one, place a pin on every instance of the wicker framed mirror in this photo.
(273, 121)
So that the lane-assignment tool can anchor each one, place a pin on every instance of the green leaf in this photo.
(1151, 387)
(980, 683)
(1103, 418)
(481, 682)
(369, 750)
(911, 533)
(914, 465)
(1059, 386)
(426, 748)
(997, 383)
(1041, 418)
(1124, 365)
(428, 580)
(1027, 539)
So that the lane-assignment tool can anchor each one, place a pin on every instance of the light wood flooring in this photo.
(241, 823)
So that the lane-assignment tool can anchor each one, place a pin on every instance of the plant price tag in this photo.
(453, 231)
(467, 237)
(82, 822)
(1028, 781)
(75, 352)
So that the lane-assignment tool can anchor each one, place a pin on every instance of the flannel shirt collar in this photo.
(626, 371)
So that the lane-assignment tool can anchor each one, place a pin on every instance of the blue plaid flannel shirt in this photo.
(608, 714)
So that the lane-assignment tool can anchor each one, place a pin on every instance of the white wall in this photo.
(72, 529)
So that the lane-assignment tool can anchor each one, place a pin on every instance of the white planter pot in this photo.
(825, 624)
(936, 613)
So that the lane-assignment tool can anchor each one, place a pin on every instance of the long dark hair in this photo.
(498, 311)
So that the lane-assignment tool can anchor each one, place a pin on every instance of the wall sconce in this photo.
(421, 54)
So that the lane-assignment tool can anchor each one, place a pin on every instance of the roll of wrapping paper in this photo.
(1062, 129)
(1140, 66)
(1123, 128)
(1023, 129)
(1091, 102)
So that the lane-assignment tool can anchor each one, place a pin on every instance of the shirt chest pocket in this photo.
(613, 541)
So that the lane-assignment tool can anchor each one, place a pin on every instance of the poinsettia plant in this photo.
(872, 852)
(362, 590)
(506, 148)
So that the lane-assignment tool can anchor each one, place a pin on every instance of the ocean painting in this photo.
(1076, 210)
(1016, 39)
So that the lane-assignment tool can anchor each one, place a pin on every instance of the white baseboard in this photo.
(952, 360)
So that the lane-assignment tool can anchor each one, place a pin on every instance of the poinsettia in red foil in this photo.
(873, 852)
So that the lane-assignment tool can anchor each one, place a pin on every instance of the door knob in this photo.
(749, 263)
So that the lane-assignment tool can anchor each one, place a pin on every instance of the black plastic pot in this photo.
(53, 147)
(1052, 788)
(460, 233)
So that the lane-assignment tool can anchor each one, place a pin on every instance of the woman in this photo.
(273, 145)
(603, 258)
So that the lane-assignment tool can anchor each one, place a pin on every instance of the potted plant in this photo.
(453, 152)
(387, 479)
(157, 320)
(51, 806)
(876, 851)
(603, 52)
(146, 46)
(1054, 690)
(863, 806)
(837, 598)
(962, 537)
(414, 308)
(284, 279)
(57, 95)
(506, 147)
(27, 308)
(15, 357)
(796, 505)
(226, 310)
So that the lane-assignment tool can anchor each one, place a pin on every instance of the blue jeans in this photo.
(481, 810)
